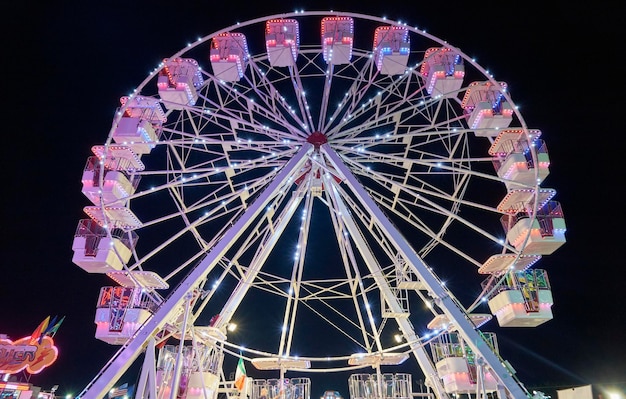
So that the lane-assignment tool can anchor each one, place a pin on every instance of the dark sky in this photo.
(67, 63)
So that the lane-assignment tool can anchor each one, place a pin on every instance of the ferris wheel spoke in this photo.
(277, 96)
(411, 164)
(209, 208)
(351, 93)
(379, 106)
(409, 201)
(305, 109)
(408, 209)
(255, 107)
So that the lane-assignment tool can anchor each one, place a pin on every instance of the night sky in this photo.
(67, 63)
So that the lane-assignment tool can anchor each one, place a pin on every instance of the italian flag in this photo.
(240, 375)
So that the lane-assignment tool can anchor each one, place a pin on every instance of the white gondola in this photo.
(331, 395)
(96, 252)
(513, 157)
(179, 81)
(229, 56)
(121, 311)
(114, 165)
(524, 299)
(486, 108)
(199, 378)
(545, 233)
(281, 388)
(282, 39)
(377, 386)
(443, 71)
(459, 368)
(391, 49)
(140, 125)
(337, 39)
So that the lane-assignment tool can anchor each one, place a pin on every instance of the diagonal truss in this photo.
(342, 190)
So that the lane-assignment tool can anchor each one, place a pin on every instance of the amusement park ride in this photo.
(254, 178)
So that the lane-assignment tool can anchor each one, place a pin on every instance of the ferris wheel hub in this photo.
(317, 139)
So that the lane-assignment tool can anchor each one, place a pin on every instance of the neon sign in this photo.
(16, 356)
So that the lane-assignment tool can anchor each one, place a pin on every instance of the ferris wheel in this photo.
(310, 177)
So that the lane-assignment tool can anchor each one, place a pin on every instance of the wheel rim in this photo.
(412, 151)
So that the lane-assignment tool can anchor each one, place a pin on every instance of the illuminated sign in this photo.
(26, 353)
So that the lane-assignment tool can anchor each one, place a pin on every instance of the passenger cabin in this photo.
(486, 108)
(229, 56)
(380, 385)
(114, 167)
(282, 39)
(337, 39)
(391, 49)
(443, 71)
(199, 376)
(520, 158)
(96, 252)
(523, 299)
(140, 125)
(122, 310)
(542, 235)
(331, 395)
(458, 366)
(285, 388)
(178, 82)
